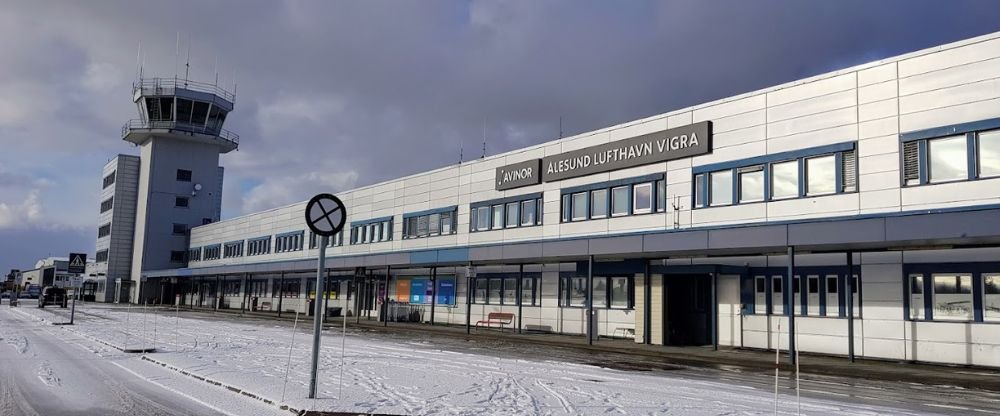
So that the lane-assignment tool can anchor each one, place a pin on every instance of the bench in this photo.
(625, 333)
(500, 319)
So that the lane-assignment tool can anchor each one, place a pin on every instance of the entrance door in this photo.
(688, 301)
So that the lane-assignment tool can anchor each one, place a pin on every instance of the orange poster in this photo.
(402, 290)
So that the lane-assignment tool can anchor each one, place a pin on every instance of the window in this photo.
(785, 180)
(194, 254)
(107, 204)
(287, 242)
(528, 212)
(513, 210)
(232, 249)
(482, 290)
(991, 297)
(336, 240)
(608, 292)
(619, 201)
(576, 288)
(661, 195)
(528, 297)
(231, 287)
(599, 203)
(566, 207)
(379, 230)
(496, 289)
(751, 184)
(952, 297)
(509, 291)
(916, 296)
(259, 246)
(849, 171)
(104, 230)
(206, 221)
(181, 202)
(642, 198)
(183, 110)
(579, 211)
(699, 190)
(183, 175)
(620, 293)
(102, 256)
(600, 292)
(721, 192)
(426, 225)
(948, 159)
(483, 218)
(821, 175)
(988, 157)
(109, 180)
(289, 288)
(177, 256)
(180, 229)
(199, 113)
(497, 217)
(212, 252)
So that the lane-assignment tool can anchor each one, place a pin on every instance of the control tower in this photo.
(178, 179)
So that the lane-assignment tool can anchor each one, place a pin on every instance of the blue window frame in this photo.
(952, 292)
(631, 196)
(510, 212)
(816, 171)
(375, 230)
(960, 152)
(430, 223)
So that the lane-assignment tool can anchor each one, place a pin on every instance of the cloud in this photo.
(273, 192)
(21, 215)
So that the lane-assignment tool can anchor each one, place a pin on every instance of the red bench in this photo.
(500, 319)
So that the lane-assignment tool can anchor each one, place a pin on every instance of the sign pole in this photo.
(317, 316)
(72, 309)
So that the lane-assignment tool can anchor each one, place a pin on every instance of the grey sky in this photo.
(334, 94)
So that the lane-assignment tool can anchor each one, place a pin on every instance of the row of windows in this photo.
(185, 111)
(194, 254)
(954, 296)
(336, 240)
(372, 232)
(615, 201)
(823, 296)
(961, 157)
(102, 256)
(615, 292)
(288, 242)
(234, 249)
(511, 214)
(109, 180)
(104, 230)
(212, 252)
(259, 246)
(503, 291)
(429, 225)
(772, 181)
(107, 204)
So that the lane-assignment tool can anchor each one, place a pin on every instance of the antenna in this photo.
(138, 59)
(461, 152)
(234, 81)
(560, 127)
(484, 140)
(177, 53)
(216, 69)
(187, 65)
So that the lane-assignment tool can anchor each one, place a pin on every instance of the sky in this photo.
(336, 94)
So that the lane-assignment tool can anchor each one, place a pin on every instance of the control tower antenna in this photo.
(187, 65)
(177, 53)
(484, 140)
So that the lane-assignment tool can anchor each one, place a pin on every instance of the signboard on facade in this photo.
(519, 174)
(676, 143)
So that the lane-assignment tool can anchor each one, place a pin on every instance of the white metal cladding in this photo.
(869, 104)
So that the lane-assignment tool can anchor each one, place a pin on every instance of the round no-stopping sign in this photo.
(325, 215)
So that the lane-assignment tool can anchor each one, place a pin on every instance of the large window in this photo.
(823, 170)
(336, 240)
(632, 196)
(721, 188)
(991, 297)
(109, 180)
(288, 242)
(259, 246)
(107, 204)
(988, 158)
(952, 296)
(957, 292)
(290, 288)
(785, 180)
(232, 249)
(194, 254)
(821, 175)
(824, 286)
(102, 256)
(501, 289)
(104, 230)
(751, 184)
(379, 230)
(212, 252)
(948, 159)
(429, 224)
(609, 292)
(511, 212)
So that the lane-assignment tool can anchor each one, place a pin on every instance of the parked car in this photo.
(31, 292)
(52, 296)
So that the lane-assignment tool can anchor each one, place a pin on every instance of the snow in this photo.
(400, 377)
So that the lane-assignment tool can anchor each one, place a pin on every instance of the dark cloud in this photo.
(337, 94)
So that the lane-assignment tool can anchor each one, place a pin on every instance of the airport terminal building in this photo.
(864, 202)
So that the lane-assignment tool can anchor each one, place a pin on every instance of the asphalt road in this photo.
(47, 371)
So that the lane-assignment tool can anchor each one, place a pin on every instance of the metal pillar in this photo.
(468, 299)
(715, 310)
(243, 299)
(434, 276)
(520, 288)
(790, 304)
(281, 292)
(217, 290)
(385, 301)
(326, 300)
(318, 315)
(590, 300)
(850, 305)
(647, 304)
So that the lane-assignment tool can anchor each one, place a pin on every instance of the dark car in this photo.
(31, 292)
(52, 296)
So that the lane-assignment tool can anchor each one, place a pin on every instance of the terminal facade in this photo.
(864, 202)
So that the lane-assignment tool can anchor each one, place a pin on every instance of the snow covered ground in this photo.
(385, 376)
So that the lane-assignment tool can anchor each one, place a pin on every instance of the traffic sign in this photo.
(76, 281)
(77, 263)
(325, 215)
